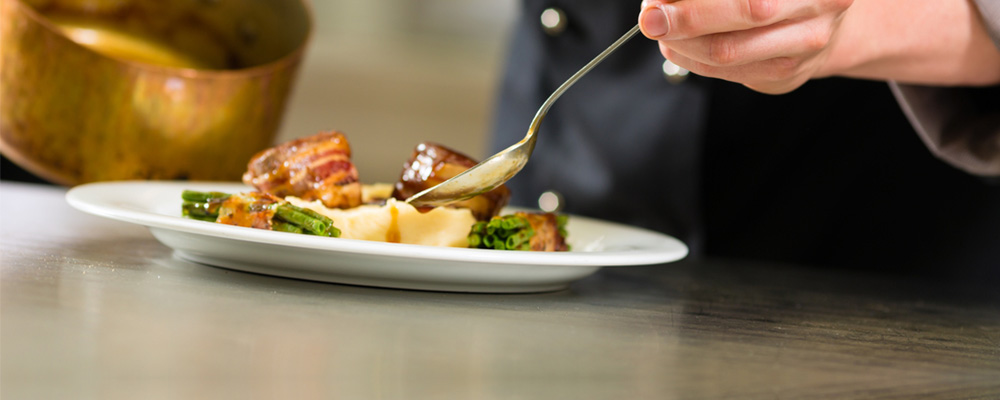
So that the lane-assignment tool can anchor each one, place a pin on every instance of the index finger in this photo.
(684, 19)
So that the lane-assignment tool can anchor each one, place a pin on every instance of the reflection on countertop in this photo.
(97, 308)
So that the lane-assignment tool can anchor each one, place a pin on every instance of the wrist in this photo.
(926, 42)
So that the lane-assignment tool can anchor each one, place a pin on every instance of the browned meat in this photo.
(432, 164)
(317, 167)
(547, 232)
(253, 210)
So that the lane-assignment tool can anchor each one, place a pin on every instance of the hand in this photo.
(772, 46)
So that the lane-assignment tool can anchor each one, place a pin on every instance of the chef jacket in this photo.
(832, 174)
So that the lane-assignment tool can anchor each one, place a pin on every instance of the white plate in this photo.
(157, 205)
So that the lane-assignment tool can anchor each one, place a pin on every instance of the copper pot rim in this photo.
(284, 62)
(37, 168)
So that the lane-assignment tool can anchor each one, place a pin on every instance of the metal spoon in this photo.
(500, 167)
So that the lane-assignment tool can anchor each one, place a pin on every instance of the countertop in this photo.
(95, 308)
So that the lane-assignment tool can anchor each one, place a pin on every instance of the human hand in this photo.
(772, 46)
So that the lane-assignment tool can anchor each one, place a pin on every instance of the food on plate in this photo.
(316, 167)
(375, 193)
(431, 164)
(255, 210)
(521, 231)
(398, 222)
(309, 185)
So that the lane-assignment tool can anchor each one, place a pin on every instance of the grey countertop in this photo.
(94, 308)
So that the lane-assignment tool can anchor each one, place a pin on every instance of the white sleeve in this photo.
(959, 125)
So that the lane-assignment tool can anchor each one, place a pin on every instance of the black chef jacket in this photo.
(831, 174)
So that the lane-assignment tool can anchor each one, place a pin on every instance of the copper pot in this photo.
(74, 113)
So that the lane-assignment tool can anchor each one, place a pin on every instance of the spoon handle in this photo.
(544, 109)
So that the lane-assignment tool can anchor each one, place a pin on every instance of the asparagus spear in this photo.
(203, 206)
(282, 226)
(521, 231)
(204, 197)
(510, 232)
(199, 211)
(284, 217)
(310, 222)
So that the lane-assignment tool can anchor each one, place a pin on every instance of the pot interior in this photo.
(199, 34)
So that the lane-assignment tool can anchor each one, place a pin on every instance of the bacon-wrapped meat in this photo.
(432, 164)
(550, 231)
(316, 167)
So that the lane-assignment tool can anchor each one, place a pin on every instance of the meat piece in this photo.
(550, 233)
(316, 167)
(252, 210)
(432, 164)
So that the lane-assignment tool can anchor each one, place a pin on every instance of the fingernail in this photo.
(654, 22)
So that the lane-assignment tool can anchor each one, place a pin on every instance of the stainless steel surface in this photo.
(500, 167)
(93, 308)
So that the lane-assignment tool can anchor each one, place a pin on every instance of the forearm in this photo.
(925, 42)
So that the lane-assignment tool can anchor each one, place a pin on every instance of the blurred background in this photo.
(391, 74)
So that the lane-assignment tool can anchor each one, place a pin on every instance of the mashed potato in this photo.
(398, 222)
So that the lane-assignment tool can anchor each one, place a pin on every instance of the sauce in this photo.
(247, 209)
(392, 234)
(116, 42)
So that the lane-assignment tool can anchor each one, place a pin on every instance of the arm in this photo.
(951, 121)
(926, 42)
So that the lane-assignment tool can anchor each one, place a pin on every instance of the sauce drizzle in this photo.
(392, 234)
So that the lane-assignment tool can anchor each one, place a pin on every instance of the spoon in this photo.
(500, 167)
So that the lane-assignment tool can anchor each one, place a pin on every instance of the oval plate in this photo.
(157, 205)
